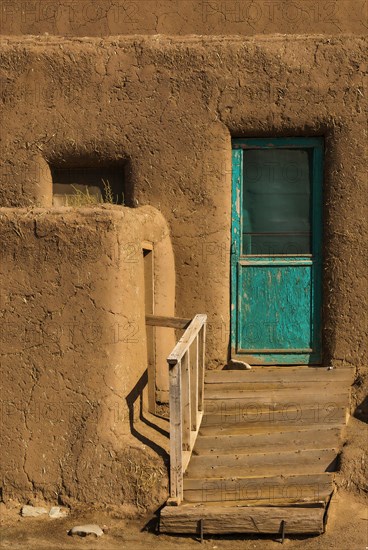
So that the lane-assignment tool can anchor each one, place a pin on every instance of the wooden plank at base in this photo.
(226, 520)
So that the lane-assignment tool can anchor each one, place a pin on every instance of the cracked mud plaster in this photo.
(168, 107)
(74, 348)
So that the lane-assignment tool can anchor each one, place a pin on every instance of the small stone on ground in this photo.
(32, 511)
(238, 365)
(84, 530)
(57, 512)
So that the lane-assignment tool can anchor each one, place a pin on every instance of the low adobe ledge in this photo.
(74, 355)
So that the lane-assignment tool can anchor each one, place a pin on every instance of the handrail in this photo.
(170, 322)
(153, 321)
(186, 379)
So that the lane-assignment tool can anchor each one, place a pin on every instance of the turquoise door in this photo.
(276, 250)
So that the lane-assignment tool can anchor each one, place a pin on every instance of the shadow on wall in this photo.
(137, 395)
(361, 411)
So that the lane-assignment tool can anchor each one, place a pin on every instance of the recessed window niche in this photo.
(86, 185)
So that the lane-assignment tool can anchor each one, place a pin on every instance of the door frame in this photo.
(316, 144)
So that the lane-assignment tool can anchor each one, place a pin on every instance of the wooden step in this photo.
(268, 489)
(219, 519)
(220, 388)
(263, 428)
(282, 501)
(287, 413)
(258, 391)
(256, 464)
(262, 442)
(246, 503)
(280, 374)
(276, 399)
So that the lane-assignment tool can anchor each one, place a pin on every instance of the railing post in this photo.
(186, 377)
(186, 402)
(176, 443)
(201, 367)
(194, 386)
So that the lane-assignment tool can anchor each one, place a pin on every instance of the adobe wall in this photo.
(182, 17)
(168, 107)
(73, 373)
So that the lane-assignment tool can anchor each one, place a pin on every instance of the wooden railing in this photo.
(153, 321)
(186, 380)
(186, 385)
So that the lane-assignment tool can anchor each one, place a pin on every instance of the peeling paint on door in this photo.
(276, 261)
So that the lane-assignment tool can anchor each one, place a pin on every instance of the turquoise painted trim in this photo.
(278, 359)
(317, 240)
(237, 260)
(237, 178)
(294, 142)
(274, 260)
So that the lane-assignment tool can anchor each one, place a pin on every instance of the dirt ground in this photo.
(347, 529)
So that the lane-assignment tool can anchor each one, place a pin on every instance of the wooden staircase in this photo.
(266, 452)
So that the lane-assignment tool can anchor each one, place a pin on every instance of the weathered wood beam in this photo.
(170, 322)
(186, 404)
(201, 366)
(187, 339)
(176, 436)
(248, 519)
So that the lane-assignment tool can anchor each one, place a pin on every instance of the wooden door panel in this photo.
(286, 324)
(276, 251)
